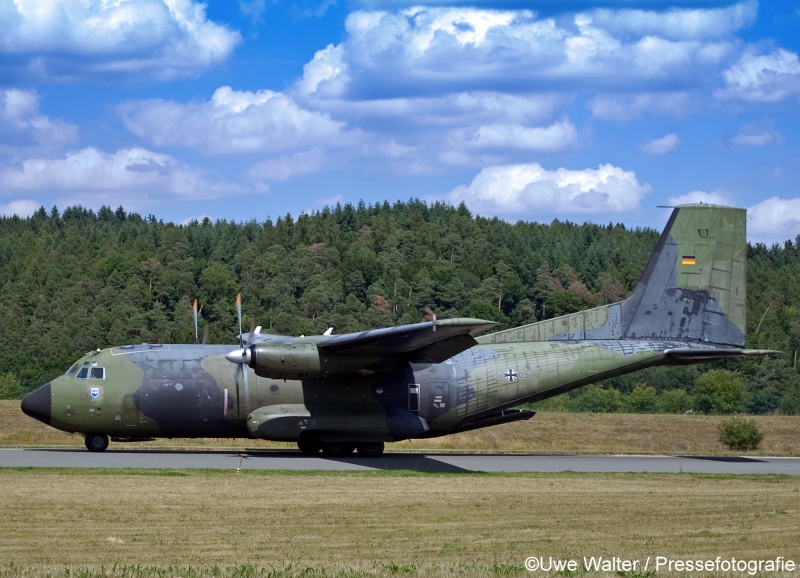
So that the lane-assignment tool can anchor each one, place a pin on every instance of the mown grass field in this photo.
(545, 432)
(381, 522)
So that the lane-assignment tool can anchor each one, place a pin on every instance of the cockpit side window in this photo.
(72, 370)
(97, 373)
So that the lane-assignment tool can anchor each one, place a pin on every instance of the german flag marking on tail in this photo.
(688, 260)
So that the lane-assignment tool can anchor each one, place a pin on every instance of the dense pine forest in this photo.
(78, 280)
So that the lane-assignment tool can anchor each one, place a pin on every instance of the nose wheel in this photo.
(96, 442)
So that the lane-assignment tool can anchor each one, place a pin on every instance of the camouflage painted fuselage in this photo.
(180, 391)
(689, 301)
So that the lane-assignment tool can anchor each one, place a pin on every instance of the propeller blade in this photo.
(252, 332)
(243, 369)
(241, 378)
(205, 335)
(239, 316)
(194, 313)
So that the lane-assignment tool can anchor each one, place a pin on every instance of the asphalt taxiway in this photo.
(431, 462)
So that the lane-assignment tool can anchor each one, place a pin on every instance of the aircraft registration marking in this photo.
(511, 375)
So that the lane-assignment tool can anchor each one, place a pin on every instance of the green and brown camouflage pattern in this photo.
(690, 299)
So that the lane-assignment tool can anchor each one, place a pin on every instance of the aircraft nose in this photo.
(38, 403)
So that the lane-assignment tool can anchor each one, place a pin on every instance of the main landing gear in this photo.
(341, 449)
(96, 442)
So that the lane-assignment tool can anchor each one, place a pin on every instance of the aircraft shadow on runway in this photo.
(387, 462)
(730, 459)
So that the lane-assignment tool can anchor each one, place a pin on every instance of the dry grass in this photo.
(618, 433)
(371, 523)
(546, 432)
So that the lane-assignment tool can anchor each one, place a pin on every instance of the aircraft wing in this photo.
(430, 341)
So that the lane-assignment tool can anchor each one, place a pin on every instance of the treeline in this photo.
(78, 280)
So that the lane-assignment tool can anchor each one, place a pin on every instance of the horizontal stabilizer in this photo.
(702, 355)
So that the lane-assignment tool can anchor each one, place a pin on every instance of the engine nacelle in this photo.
(305, 361)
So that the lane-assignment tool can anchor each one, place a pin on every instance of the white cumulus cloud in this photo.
(22, 126)
(557, 136)
(663, 145)
(287, 166)
(694, 197)
(326, 73)
(774, 220)
(231, 122)
(697, 23)
(438, 50)
(133, 171)
(529, 189)
(21, 208)
(624, 108)
(756, 134)
(752, 140)
(78, 38)
(763, 78)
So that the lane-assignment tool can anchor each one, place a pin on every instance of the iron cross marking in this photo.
(511, 375)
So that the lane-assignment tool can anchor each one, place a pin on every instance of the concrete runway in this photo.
(291, 460)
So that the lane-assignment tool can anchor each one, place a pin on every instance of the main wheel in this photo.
(338, 449)
(96, 442)
(309, 447)
(370, 449)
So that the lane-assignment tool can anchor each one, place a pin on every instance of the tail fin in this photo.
(693, 289)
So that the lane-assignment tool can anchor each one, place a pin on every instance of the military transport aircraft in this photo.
(338, 393)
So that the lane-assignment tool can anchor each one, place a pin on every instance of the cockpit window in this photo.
(83, 373)
(72, 370)
(98, 373)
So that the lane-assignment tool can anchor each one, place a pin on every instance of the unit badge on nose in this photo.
(95, 392)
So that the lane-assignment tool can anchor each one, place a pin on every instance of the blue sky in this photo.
(525, 110)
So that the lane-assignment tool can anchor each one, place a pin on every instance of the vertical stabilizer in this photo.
(693, 287)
